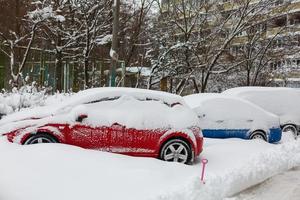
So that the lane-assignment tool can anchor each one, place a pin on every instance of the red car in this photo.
(134, 122)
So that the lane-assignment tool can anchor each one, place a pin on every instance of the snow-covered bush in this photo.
(28, 96)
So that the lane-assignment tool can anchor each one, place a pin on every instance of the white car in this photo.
(284, 102)
(222, 116)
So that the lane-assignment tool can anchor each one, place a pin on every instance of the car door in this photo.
(216, 120)
(80, 134)
(132, 141)
(135, 139)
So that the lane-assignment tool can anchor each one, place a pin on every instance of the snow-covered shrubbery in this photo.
(27, 96)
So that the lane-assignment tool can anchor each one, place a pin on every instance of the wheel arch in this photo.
(263, 132)
(177, 135)
(29, 135)
(289, 124)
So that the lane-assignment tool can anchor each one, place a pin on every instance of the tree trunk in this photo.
(86, 74)
(58, 72)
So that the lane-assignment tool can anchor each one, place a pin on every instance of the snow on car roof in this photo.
(281, 101)
(284, 102)
(196, 100)
(239, 90)
(96, 94)
(215, 106)
(113, 105)
(93, 95)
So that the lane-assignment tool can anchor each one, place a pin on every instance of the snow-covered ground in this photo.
(56, 171)
(282, 186)
(62, 172)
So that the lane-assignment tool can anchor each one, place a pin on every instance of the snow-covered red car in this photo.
(129, 121)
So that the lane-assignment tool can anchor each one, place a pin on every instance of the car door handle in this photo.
(250, 120)
(220, 121)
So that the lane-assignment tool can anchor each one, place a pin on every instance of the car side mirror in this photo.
(80, 118)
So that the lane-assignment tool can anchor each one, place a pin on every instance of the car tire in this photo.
(290, 127)
(176, 150)
(40, 138)
(258, 135)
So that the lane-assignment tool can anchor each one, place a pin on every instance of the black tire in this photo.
(290, 127)
(182, 154)
(258, 135)
(40, 138)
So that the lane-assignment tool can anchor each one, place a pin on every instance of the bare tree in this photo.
(198, 43)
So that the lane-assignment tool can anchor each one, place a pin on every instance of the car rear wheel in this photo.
(258, 135)
(176, 150)
(40, 138)
(290, 128)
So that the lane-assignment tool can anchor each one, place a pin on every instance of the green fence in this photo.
(2, 71)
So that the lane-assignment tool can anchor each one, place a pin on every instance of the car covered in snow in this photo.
(129, 121)
(284, 102)
(221, 116)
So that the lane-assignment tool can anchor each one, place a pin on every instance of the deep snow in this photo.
(55, 171)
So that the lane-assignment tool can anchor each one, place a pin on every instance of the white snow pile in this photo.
(61, 172)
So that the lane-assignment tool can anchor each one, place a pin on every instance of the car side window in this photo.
(103, 99)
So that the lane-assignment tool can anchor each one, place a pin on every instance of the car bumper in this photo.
(275, 135)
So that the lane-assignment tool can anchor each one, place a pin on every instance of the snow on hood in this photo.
(142, 113)
(235, 113)
(281, 101)
(88, 96)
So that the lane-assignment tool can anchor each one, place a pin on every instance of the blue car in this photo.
(222, 116)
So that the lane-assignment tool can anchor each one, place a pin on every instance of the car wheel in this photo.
(258, 135)
(291, 128)
(40, 138)
(176, 150)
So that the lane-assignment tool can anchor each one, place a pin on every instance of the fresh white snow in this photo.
(63, 172)
(66, 172)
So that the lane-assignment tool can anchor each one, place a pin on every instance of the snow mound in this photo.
(244, 174)
(75, 173)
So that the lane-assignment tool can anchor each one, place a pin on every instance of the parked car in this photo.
(221, 116)
(129, 121)
(284, 102)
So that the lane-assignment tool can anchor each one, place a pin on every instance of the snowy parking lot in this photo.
(56, 171)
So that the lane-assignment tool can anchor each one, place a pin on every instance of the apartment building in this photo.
(283, 29)
(279, 25)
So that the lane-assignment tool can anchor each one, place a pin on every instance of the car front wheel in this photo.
(176, 150)
(258, 135)
(40, 138)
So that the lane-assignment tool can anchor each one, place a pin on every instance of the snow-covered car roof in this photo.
(238, 104)
(99, 94)
(136, 108)
(284, 102)
(241, 90)
(217, 106)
